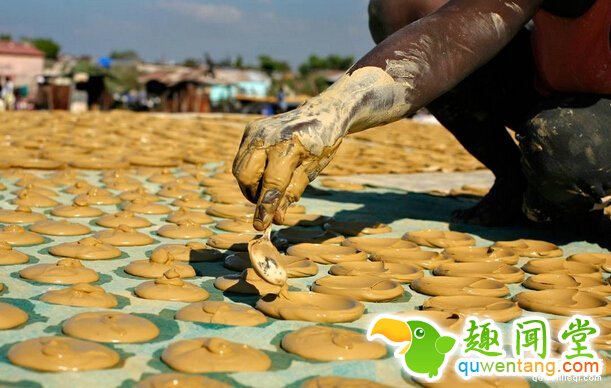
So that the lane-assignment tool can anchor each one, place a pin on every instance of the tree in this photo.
(5, 37)
(239, 62)
(48, 46)
(191, 62)
(332, 62)
(128, 55)
(270, 65)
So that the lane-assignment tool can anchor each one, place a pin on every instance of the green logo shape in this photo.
(419, 341)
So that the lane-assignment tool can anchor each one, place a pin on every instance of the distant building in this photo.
(21, 62)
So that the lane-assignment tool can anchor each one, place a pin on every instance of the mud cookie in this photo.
(96, 196)
(531, 248)
(490, 270)
(223, 313)
(439, 238)
(363, 288)
(600, 260)
(372, 245)
(194, 252)
(171, 287)
(11, 316)
(169, 380)
(204, 355)
(326, 253)
(402, 273)
(497, 309)
(559, 266)
(110, 326)
(59, 228)
(231, 211)
(423, 259)
(16, 235)
(21, 215)
(564, 302)
(546, 281)
(64, 271)
(323, 343)
(480, 254)
(450, 286)
(81, 295)
(31, 199)
(123, 236)
(123, 218)
(88, 248)
(9, 256)
(357, 228)
(183, 214)
(248, 282)
(310, 306)
(78, 209)
(143, 206)
(192, 201)
(62, 354)
(232, 241)
(157, 265)
(185, 229)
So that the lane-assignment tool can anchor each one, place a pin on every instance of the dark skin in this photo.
(409, 69)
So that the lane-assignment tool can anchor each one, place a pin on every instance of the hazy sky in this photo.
(175, 29)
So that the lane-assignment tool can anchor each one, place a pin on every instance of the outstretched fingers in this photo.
(248, 170)
(282, 160)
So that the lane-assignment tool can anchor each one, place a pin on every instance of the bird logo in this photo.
(421, 344)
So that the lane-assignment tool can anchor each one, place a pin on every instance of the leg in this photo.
(566, 157)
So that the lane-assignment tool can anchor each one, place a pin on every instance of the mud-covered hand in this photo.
(279, 156)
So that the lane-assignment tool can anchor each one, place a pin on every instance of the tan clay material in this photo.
(97, 196)
(531, 248)
(184, 230)
(110, 326)
(265, 260)
(194, 252)
(123, 218)
(301, 235)
(17, 235)
(453, 322)
(373, 245)
(123, 236)
(490, 270)
(291, 219)
(232, 241)
(171, 287)
(231, 211)
(78, 187)
(248, 282)
(222, 313)
(439, 238)
(175, 380)
(31, 199)
(236, 226)
(326, 253)
(11, 316)
(559, 266)
(146, 207)
(341, 185)
(157, 265)
(174, 191)
(204, 355)
(65, 271)
(546, 281)
(81, 295)
(481, 254)
(423, 259)
(601, 342)
(62, 354)
(323, 343)
(192, 201)
(9, 256)
(450, 286)
(497, 309)
(59, 228)
(357, 228)
(88, 248)
(21, 215)
(341, 382)
(78, 209)
(183, 214)
(140, 193)
(402, 273)
(296, 267)
(363, 288)
(38, 190)
(163, 176)
(600, 260)
(310, 306)
(565, 302)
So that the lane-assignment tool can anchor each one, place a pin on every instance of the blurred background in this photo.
(243, 56)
